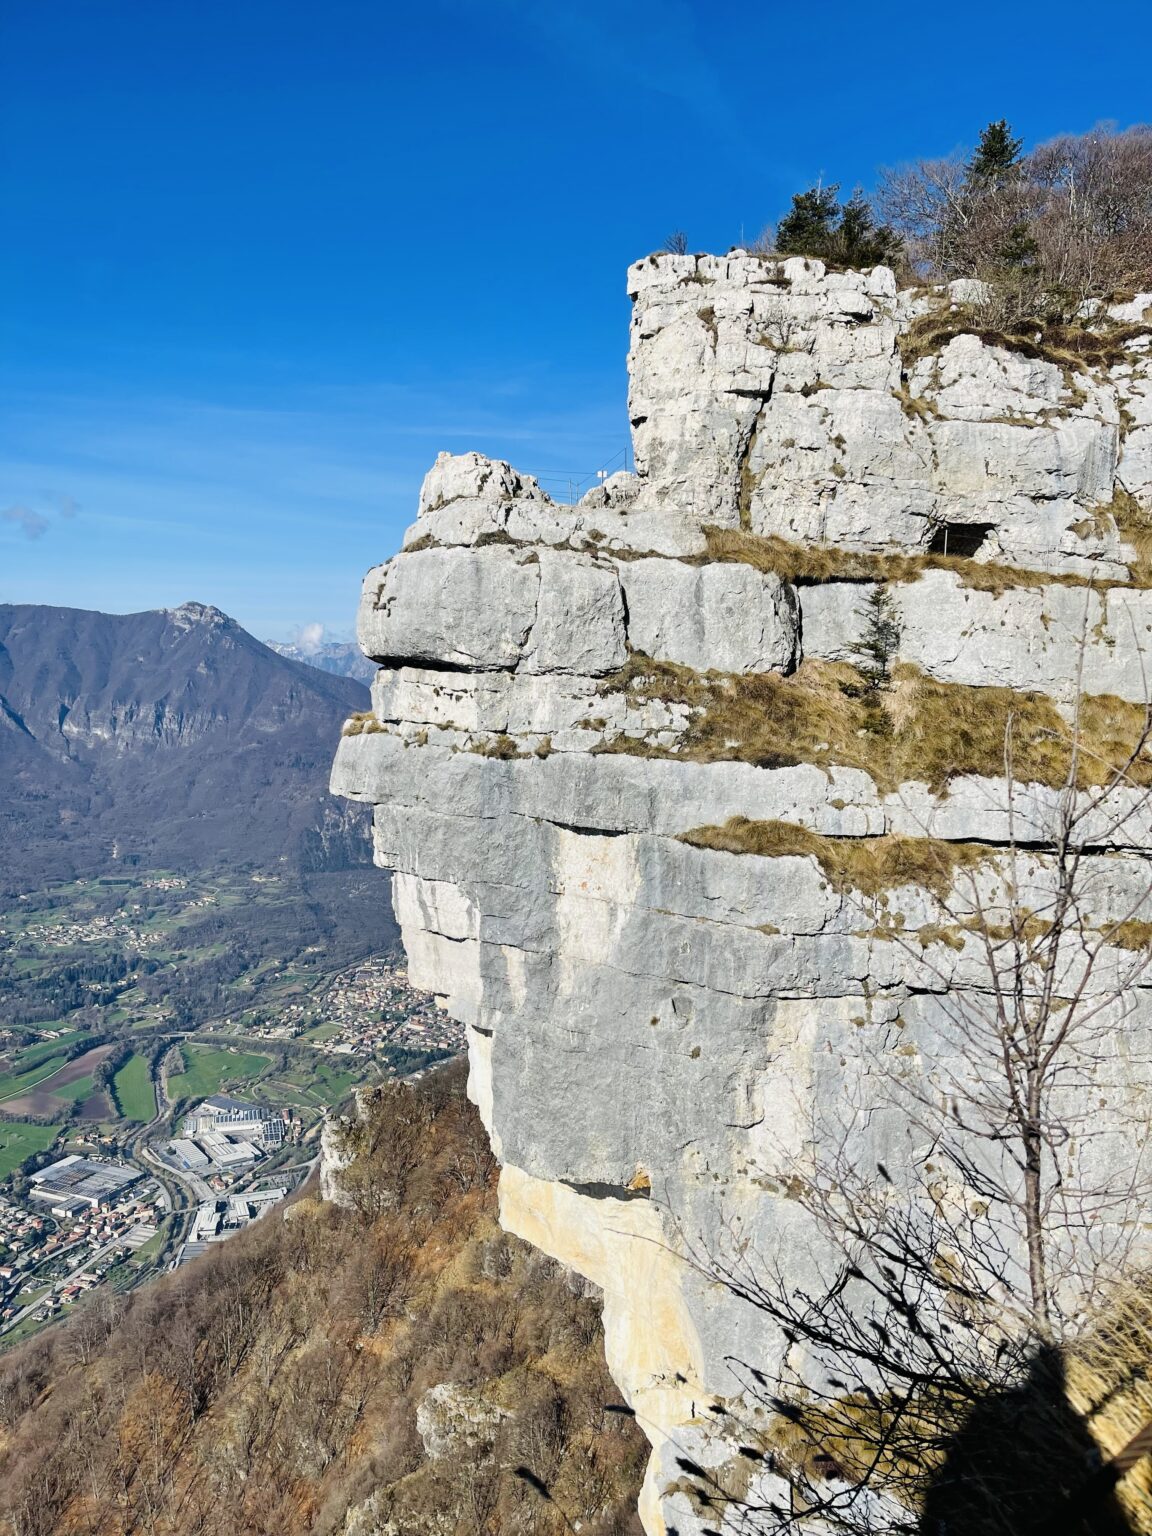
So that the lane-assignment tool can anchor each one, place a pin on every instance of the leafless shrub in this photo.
(1066, 226)
(920, 1379)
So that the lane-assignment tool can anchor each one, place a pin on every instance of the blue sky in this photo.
(264, 258)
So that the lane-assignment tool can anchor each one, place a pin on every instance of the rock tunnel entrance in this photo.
(965, 539)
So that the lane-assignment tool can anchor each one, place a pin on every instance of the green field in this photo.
(74, 1092)
(32, 1055)
(322, 1032)
(152, 1247)
(132, 1087)
(14, 1083)
(320, 1081)
(19, 1139)
(207, 1069)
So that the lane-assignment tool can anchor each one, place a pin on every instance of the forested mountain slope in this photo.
(168, 738)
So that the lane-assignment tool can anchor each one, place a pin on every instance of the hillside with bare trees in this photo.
(398, 1364)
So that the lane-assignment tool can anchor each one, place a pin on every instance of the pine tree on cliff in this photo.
(819, 225)
(996, 158)
(810, 225)
(996, 212)
(860, 241)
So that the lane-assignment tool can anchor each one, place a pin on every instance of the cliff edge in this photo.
(692, 789)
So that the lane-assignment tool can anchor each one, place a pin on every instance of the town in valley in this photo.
(167, 1061)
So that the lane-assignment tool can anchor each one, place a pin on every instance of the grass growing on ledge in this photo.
(502, 746)
(1132, 934)
(870, 865)
(1134, 525)
(362, 724)
(917, 730)
(820, 562)
(1071, 347)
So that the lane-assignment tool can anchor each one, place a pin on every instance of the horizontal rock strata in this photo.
(689, 788)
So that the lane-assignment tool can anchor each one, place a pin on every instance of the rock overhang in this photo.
(651, 1002)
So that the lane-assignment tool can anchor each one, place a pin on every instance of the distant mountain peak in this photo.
(173, 735)
(342, 658)
(190, 614)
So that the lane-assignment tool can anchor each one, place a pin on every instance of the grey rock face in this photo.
(776, 396)
(579, 623)
(656, 1027)
(451, 1421)
(730, 618)
(469, 608)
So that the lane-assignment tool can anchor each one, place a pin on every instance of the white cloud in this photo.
(310, 637)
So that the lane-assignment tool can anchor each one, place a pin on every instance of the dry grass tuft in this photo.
(870, 865)
(363, 724)
(1134, 525)
(1109, 1385)
(917, 730)
(806, 563)
(1132, 934)
(502, 746)
(1072, 347)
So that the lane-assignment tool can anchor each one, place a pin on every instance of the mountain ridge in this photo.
(344, 658)
(135, 736)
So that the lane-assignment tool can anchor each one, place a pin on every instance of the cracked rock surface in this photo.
(653, 1023)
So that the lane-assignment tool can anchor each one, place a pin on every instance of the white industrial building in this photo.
(81, 1179)
(216, 1220)
(227, 1151)
(220, 1113)
(223, 1134)
(188, 1154)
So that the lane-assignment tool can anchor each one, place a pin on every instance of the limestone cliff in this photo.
(622, 755)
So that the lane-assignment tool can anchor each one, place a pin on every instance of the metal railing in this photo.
(567, 486)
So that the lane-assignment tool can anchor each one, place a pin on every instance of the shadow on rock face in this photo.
(1025, 1465)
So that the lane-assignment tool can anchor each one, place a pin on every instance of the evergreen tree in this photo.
(997, 156)
(809, 228)
(859, 241)
(881, 638)
(847, 234)
(992, 186)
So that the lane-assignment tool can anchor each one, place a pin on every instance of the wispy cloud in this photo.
(272, 512)
(33, 525)
(600, 39)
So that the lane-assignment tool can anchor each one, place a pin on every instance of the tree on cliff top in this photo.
(997, 156)
(1067, 224)
(846, 234)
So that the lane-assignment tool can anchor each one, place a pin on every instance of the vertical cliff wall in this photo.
(626, 763)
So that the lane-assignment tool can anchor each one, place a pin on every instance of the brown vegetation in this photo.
(916, 729)
(1051, 231)
(1077, 348)
(362, 724)
(501, 746)
(272, 1386)
(827, 562)
(870, 865)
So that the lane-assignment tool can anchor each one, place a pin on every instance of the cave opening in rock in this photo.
(959, 538)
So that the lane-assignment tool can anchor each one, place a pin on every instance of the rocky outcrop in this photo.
(625, 789)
